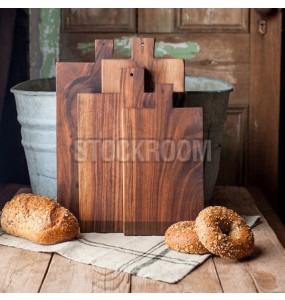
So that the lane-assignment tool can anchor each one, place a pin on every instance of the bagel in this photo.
(224, 233)
(182, 237)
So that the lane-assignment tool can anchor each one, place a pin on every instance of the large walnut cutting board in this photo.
(71, 79)
(136, 197)
(158, 70)
(159, 191)
(100, 176)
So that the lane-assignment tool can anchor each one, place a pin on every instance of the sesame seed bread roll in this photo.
(38, 219)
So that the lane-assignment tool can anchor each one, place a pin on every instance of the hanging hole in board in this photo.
(103, 44)
(162, 91)
(142, 44)
(131, 74)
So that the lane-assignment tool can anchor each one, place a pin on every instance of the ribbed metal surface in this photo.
(36, 107)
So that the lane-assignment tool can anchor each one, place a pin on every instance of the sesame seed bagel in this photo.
(224, 233)
(182, 237)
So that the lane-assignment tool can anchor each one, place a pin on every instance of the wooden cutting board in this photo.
(100, 180)
(158, 70)
(108, 190)
(159, 192)
(71, 79)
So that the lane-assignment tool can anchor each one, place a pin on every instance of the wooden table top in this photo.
(27, 271)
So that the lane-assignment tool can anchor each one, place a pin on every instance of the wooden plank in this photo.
(234, 276)
(100, 175)
(171, 188)
(99, 20)
(73, 78)
(22, 270)
(163, 71)
(204, 279)
(194, 20)
(234, 147)
(158, 20)
(203, 46)
(212, 20)
(234, 198)
(264, 109)
(266, 267)
(82, 278)
(268, 212)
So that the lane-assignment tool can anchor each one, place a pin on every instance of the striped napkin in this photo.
(144, 256)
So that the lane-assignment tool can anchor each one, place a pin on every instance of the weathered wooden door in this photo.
(242, 46)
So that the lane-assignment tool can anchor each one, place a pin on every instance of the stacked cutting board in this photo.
(126, 158)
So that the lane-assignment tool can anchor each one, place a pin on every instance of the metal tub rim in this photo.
(221, 85)
(26, 87)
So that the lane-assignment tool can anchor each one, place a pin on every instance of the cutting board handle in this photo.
(133, 94)
(132, 87)
(142, 51)
(103, 49)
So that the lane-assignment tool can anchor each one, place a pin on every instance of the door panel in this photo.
(264, 109)
(212, 20)
(155, 20)
(234, 150)
(99, 20)
(162, 20)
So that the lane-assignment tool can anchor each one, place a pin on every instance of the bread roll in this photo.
(38, 219)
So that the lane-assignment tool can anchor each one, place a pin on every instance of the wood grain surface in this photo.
(100, 181)
(266, 266)
(23, 270)
(105, 189)
(159, 70)
(83, 278)
(74, 78)
(264, 107)
(194, 283)
(162, 178)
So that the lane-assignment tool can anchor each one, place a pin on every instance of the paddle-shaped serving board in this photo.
(100, 157)
(158, 70)
(163, 159)
(141, 194)
(71, 79)
(100, 197)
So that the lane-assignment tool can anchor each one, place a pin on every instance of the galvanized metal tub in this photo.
(213, 95)
(36, 108)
